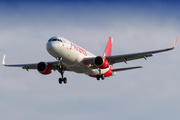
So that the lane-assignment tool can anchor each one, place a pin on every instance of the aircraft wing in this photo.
(127, 57)
(53, 65)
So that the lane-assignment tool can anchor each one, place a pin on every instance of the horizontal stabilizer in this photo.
(128, 68)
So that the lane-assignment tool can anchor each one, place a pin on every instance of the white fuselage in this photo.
(72, 55)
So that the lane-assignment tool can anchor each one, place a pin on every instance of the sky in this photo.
(152, 92)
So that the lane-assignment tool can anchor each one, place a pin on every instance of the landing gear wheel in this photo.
(102, 76)
(60, 81)
(65, 80)
(98, 77)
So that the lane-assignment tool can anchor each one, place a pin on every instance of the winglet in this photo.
(175, 43)
(3, 61)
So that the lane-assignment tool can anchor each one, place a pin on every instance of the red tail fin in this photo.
(108, 50)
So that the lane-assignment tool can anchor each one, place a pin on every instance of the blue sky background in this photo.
(152, 92)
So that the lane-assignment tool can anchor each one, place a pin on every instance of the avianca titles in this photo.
(71, 57)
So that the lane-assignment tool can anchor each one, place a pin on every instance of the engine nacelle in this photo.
(101, 62)
(44, 68)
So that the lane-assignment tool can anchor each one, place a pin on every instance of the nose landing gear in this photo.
(61, 70)
(62, 80)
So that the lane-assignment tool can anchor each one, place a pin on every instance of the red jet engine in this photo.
(101, 62)
(44, 68)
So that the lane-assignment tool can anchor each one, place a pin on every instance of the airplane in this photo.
(71, 57)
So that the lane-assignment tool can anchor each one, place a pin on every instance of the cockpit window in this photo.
(60, 40)
(56, 40)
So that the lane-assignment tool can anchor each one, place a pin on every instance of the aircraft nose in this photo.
(52, 47)
(49, 46)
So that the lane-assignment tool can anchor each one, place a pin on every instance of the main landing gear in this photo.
(61, 70)
(98, 76)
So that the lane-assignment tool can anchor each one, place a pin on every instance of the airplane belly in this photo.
(96, 71)
(84, 69)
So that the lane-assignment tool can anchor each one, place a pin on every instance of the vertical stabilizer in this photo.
(108, 50)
